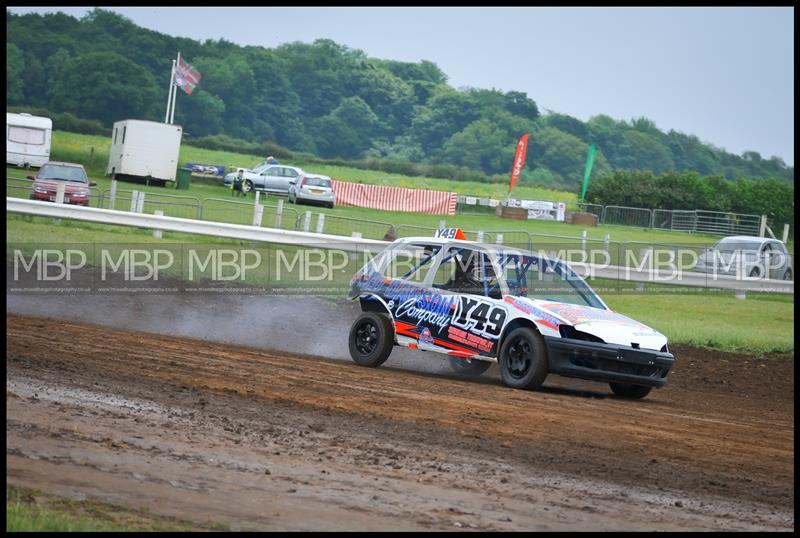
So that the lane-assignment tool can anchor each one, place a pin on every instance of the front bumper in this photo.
(48, 197)
(608, 362)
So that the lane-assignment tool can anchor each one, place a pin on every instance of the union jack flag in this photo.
(186, 76)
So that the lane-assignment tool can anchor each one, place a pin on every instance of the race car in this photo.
(481, 304)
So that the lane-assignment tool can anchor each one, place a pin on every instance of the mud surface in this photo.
(274, 440)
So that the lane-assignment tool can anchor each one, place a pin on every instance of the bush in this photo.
(65, 121)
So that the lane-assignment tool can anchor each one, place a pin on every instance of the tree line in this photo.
(326, 99)
(690, 190)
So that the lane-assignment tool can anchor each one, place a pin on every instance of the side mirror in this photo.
(31, 178)
(292, 181)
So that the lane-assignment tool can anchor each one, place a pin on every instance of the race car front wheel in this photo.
(523, 359)
(469, 367)
(371, 339)
(626, 390)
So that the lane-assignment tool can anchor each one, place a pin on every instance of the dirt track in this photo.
(273, 441)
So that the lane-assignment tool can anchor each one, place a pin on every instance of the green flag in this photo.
(587, 171)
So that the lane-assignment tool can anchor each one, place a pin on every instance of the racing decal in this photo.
(480, 317)
(465, 323)
(433, 310)
(537, 313)
(450, 233)
(577, 314)
(474, 341)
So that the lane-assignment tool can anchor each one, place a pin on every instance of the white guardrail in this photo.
(298, 238)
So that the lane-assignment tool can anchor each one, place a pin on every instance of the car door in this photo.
(267, 177)
(288, 177)
(478, 314)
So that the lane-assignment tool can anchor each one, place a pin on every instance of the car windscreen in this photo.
(312, 181)
(539, 277)
(62, 173)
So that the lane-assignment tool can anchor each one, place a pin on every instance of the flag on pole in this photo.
(587, 171)
(186, 76)
(519, 161)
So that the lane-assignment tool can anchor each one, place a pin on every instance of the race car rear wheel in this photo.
(371, 339)
(523, 359)
(469, 367)
(626, 390)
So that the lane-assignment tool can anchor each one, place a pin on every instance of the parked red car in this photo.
(46, 181)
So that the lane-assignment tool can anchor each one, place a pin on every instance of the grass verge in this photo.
(33, 511)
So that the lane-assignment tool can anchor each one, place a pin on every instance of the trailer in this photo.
(144, 149)
(28, 139)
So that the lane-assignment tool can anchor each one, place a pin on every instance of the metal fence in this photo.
(595, 209)
(711, 222)
(727, 223)
(614, 215)
(337, 225)
(172, 205)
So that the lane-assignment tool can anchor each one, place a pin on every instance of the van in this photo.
(28, 139)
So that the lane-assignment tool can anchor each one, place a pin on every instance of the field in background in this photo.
(92, 151)
(76, 147)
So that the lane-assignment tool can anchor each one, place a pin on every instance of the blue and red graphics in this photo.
(537, 313)
(577, 314)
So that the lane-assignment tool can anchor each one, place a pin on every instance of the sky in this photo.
(725, 75)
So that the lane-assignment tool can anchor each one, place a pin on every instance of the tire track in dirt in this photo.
(707, 441)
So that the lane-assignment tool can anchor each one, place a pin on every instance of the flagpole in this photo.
(174, 93)
(169, 92)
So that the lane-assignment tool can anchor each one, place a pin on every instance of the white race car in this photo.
(480, 304)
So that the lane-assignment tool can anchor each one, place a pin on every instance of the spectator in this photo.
(237, 187)
(272, 160)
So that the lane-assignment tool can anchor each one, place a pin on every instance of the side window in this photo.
(288, 172)
(411, 262)
(116, 132)
(464, 270)
(124, 132)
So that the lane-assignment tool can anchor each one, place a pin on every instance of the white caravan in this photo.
(28, 139)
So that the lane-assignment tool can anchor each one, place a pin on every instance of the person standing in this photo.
(237, 187)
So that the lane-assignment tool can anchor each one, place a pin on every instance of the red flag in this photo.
(186, 76)
(519, 161)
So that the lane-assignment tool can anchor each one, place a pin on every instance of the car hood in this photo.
(610, 327)
(70, 186)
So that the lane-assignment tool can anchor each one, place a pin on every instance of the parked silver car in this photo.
(748, 256)
(275, 178)
(312, 189)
